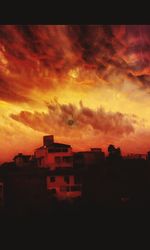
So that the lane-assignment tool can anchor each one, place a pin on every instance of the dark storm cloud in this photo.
(94, 42)
(103, 46)
(31, 50)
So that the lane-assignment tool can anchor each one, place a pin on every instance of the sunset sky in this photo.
(88, 85)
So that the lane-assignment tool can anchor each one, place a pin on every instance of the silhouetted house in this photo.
(64, 184)
(88, 158)
(22, 160)
(136, 156)
(8, 166)
(54, 155)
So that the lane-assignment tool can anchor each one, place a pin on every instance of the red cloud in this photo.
(59, 116)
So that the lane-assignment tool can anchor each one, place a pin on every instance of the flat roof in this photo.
(57, 145)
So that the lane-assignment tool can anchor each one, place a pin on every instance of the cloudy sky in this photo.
(87, 85)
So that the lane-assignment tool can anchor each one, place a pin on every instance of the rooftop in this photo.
(25, 157)
(56, 145)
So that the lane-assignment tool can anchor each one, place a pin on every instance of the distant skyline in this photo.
(88, 85)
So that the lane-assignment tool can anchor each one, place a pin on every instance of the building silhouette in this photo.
(87, 159)
(22, 160)
(32, 183)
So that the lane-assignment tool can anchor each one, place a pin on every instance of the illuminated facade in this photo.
(54, 155)
(64, 185)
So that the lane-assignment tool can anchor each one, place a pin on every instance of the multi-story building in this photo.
(58, 158)
(64, 184)
(88, 158)
(54, 155)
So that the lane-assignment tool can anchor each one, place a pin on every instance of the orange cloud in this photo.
(69, 120)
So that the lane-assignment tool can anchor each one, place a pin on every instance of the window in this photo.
(75, 188)
(57, 159)
(53, 191)
(50, 150)
(77, 179)
(67, 159)
(40, 161)
(64, 149)
(52, 179)
(66, 179)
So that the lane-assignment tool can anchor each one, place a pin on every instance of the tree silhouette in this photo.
(114, 153)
